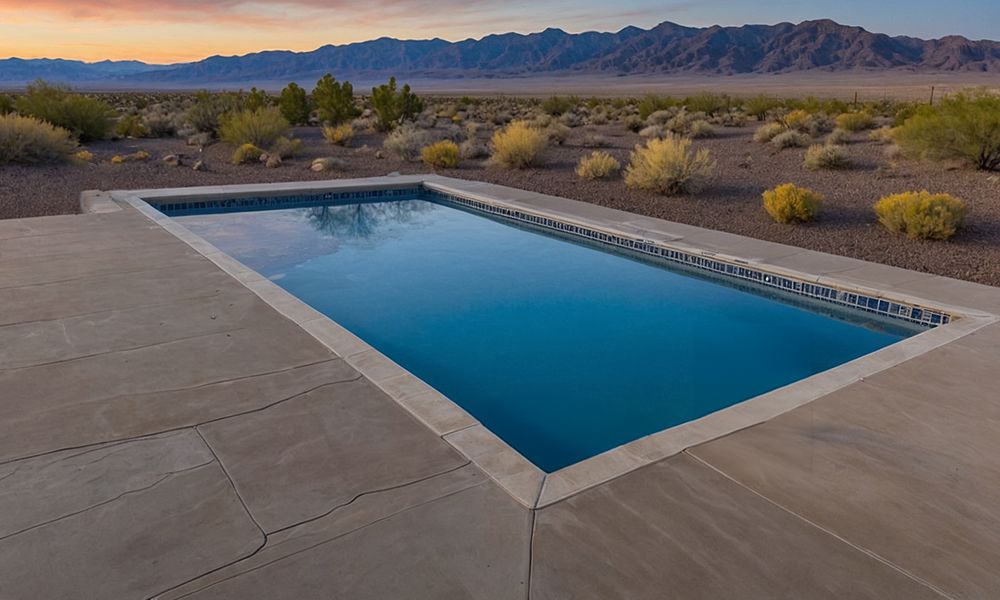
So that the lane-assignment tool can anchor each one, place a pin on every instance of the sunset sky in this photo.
(183, 30)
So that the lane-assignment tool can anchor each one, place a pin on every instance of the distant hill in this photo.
(665, 49)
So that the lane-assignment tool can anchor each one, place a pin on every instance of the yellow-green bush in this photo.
(339, 135)
(83, 156)
(518, 146)
(790, 203)
(669, 166)
(26, 140)
(247, 153)
(598, 165)
(856, 121)
(131, 126)
(921, 215)
(963, 127)
(796, 119)
(85, 117)
(285, 147)
(828, 156)
(443, 155)
(137, 156)
(768, 131)
(261, 127)
(791, 139)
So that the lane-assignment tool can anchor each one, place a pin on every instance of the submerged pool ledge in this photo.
(964, 307)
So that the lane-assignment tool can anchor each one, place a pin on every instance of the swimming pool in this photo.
(562, 347)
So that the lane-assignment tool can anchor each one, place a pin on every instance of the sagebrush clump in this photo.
(827, 156)
(791, 139)
(599, 165)
(26, 140)
(519, 146)
(441, 155)
(857, 121)
(768, 131)
(406, 142)
(261, 127)
(790, 203)
(669, 166)
(921, 215)
(339, 135)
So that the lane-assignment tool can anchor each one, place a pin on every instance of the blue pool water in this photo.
(563, 350)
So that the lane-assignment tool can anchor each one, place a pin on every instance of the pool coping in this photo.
(520, 478)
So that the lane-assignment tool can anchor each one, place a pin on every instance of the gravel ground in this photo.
(731, 202)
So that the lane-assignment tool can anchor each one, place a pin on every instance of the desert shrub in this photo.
(921, 215)
(406, 141)
(6, 105)
(339, 135)
(595, 140)
(790, 203)
(759, 106)
(247, 153)
(261, 127)
(557, 105)
(293, 102)
(256, 99)
(827, 156)
(882, 135)
(334, 100)
(963, 127)
(652, 103)
(660, 117)
(634, 123)
(796, 119)
(669, 166)
(598, 165)
(207, 111)
(86, 118)
(159, 123)
(653, 131)
(137, 156)
(855, 121)
(571, 119)
(443, 155)
(838, 136)
(557, 133)
(394, 106)
(27, 140)
(83, 156)
(472, 149)
(518, 146)
(131, 126)
(768, 131)
(285, 147)
(791, 139)
(708, 103)
(700, 129)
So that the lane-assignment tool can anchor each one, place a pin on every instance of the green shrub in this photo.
(207, 112)
(669, 166)
(653, 103)
(921, 215)
(394, 106)
(293, 102)
(86, 118)
(27, 140)
(256, 100)
(789, 203)
(339, 135)
(760, 106)
(700, 128)
(247, 153)
(856, 121)
(827, 156)
(406, 142)
(334, 100)
(443, 155)
(838, 137)
(557, 105)
(599, 165)
(261, 127)
(634, 123)
(131, 126)
(519, 146)
(285, 147)
(963, 127)
(882, 135)
(791, 139)
(768, 131)
(708, 103)
(6, 105)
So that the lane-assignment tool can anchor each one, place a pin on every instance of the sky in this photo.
(167, 31)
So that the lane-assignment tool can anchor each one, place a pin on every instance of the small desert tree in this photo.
(294, 104)
(85, 117)
(334, 100)
(6, 104)
(394, 106)
(256, 99)
(963, 127)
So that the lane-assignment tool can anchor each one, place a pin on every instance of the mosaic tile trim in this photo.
(844, 297)
(254, 203)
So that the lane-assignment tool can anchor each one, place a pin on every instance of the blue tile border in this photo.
(845, 297)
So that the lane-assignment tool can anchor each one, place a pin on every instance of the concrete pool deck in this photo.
(169, 434)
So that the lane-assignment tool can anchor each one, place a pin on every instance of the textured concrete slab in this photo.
(903, 464)
(678, 529)
(122, 521)
(456, 535)
(304, 457)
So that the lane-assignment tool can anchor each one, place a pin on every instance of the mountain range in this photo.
(667, 48)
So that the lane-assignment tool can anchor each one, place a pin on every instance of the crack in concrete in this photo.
(167, 476)
(118, 309)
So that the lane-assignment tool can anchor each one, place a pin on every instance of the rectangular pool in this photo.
(562, 347)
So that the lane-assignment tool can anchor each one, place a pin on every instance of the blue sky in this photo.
(179, 30)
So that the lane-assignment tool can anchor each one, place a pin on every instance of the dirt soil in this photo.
(731, 203)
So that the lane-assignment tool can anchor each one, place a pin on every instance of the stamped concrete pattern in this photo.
(167, 433)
